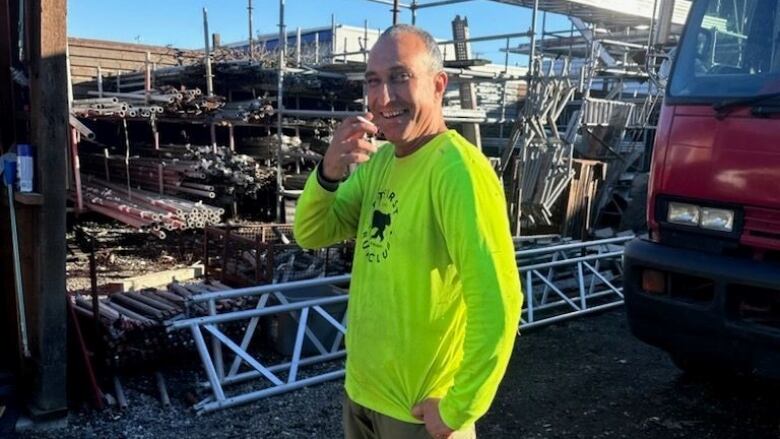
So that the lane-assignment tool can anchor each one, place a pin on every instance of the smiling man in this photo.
(435, 296)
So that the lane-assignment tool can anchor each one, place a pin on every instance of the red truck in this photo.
(705, 284)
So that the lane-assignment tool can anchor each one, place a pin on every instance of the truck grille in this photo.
(762, 228)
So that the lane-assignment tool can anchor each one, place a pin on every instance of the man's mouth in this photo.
(392, 114)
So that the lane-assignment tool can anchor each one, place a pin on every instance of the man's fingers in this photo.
(352, 128)
(358, 130)
(417, 412)
(365, 125)
(349, 158)
(365, 145)
(361, 146)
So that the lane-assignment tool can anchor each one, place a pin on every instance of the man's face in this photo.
(404, 94)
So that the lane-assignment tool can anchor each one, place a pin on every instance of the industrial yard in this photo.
(169, 262)
(594, 360)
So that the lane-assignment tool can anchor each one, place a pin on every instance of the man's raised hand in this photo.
(349, 146)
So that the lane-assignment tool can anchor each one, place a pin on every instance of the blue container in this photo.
(9, 169)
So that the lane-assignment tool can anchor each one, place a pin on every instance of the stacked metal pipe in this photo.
(101, 106)
(293, 149)
(253, 110)
(197, 172)
(165, 99)
(147, 211)
(133, 323)
(230, 173)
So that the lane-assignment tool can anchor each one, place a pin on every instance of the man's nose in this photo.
(382, 95)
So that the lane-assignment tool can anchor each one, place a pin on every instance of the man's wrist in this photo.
(326, 183)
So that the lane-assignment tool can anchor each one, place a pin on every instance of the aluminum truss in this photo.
(282, 377)
(570, 280)
(560, 282)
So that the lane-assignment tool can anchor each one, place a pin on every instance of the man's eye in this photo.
(401, 77)
(372, 82)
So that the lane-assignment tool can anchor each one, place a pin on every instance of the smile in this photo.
(393, 114)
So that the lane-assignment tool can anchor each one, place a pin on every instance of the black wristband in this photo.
(326, 183)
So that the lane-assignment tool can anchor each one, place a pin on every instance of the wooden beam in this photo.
(49, 136)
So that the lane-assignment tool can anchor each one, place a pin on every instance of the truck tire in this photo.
(635, 215)
(700, 367)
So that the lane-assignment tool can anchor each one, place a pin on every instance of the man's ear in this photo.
(440, 84)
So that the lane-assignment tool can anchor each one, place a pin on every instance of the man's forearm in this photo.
(490, 333)
(324, 217)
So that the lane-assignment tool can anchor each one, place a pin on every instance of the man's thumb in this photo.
(417, 412)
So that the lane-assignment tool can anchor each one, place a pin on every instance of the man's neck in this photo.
(409, 148)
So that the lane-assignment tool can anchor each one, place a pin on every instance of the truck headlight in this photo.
(717, 219)
(684, 214)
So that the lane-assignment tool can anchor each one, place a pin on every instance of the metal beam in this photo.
(663, 25)
(390, 3)
(532, 54)
(280, 107)
(588, 35)
(438, 3)
(251, 32)
(608, 13)
(207, 57)
(487, 38)
(467, 90)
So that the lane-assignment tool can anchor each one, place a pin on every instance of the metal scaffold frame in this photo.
(548, 287)
(535, 184)
(560, 282)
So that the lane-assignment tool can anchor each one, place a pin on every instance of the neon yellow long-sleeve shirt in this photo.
(435, 294)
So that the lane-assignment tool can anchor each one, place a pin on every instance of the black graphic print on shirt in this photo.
(375, 237)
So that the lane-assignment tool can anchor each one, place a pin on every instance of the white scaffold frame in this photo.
(544, 304)
(584, 260)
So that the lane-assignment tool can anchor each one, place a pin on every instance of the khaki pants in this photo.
(363, 423)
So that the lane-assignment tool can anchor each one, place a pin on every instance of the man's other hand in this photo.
(428, 412)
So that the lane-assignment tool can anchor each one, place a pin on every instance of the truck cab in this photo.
(705, 284)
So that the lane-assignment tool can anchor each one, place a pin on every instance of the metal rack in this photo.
(606, 60)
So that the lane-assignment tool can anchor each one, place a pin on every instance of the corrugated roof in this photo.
(607, 13)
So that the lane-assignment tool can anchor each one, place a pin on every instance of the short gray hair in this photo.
(431, 46)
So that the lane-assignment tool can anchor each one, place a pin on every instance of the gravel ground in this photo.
(586, 378)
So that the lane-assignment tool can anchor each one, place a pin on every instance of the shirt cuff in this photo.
(326, 183)
(450, 417)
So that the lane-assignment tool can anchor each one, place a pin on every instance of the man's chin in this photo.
(397, 135)
(397, 140)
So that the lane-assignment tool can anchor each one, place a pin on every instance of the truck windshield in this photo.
(731, 49)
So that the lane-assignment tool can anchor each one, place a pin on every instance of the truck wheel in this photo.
(700, 367)
(635, 215)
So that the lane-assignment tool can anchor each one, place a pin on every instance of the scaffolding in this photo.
(559, 282)
(562, 114)
(599, 52)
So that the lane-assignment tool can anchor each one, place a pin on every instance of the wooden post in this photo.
(49, 135)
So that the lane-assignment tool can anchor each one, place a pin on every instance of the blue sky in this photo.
(179, 22)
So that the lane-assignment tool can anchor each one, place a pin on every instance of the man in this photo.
(435, 295)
